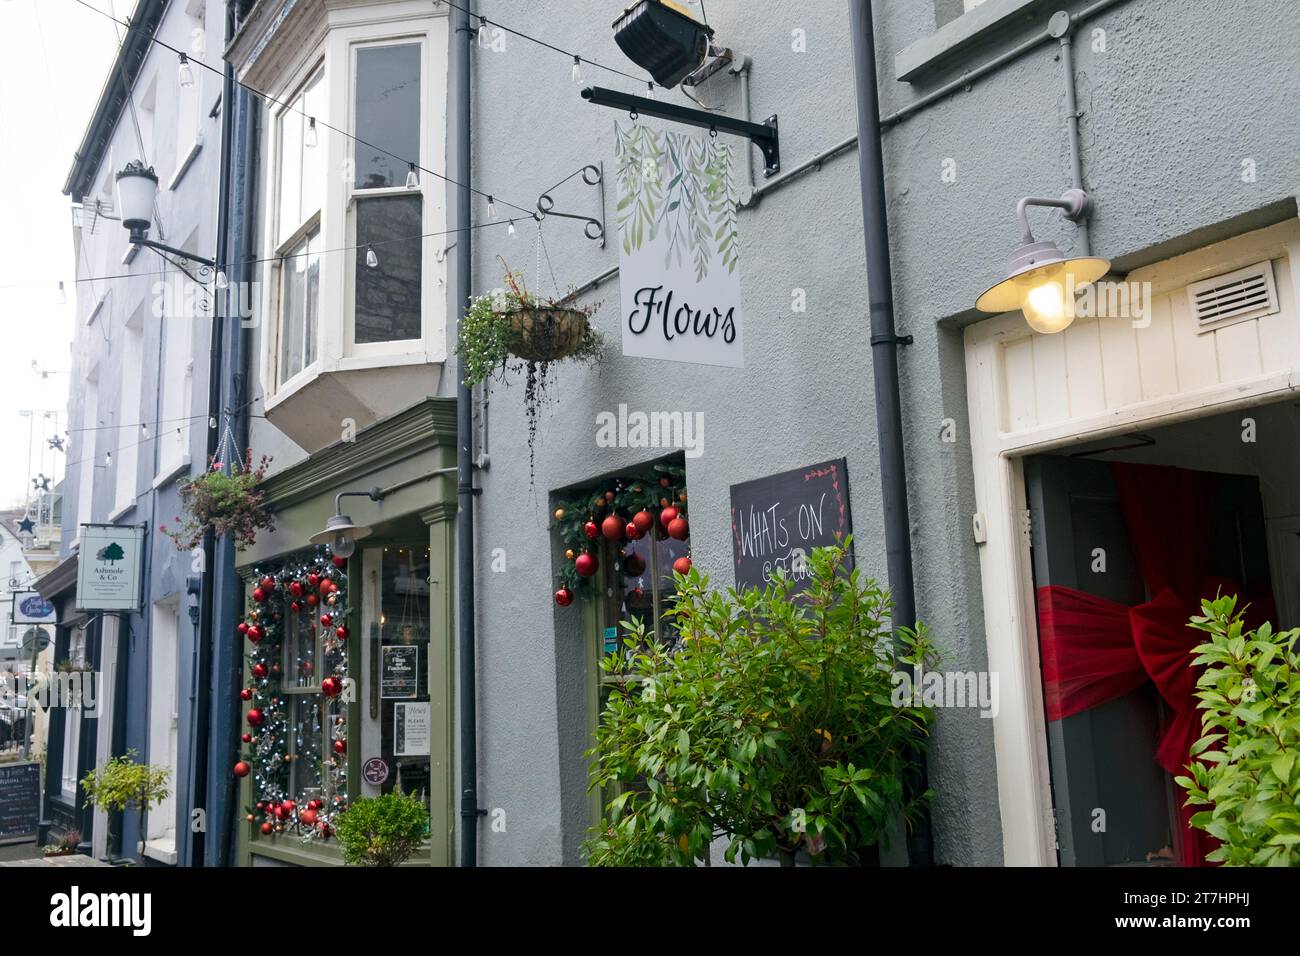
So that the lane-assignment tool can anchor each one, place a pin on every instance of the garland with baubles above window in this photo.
(622, 509)
(310, 593)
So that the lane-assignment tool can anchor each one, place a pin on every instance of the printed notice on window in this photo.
(399, 671)
(411, 729)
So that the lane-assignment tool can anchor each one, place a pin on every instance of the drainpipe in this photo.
(1062, 28)
(462, 37)
(884, 363)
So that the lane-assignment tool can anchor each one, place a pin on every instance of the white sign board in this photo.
(411, 729)
(31, 608)
(679, 252)
(109, 565)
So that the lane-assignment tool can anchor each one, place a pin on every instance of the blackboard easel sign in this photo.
(776, 522)
(20, 801)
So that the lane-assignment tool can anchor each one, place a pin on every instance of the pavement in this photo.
(28, 854)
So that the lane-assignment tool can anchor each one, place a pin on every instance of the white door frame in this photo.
(1001, 436)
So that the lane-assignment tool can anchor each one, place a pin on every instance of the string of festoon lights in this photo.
(185, 78)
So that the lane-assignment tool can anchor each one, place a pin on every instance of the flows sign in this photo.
(679, 252)
(108, 568)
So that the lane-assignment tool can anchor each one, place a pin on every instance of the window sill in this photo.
(187, 162)
(121, 512)
(164, 477)
(162, 849)
(950, 39)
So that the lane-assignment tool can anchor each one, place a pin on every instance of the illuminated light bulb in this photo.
(482, 31)
(223, 282)
(492, 208)
(108, 460)
(511, 229)
(309, 137)
(412, 180)
(372, 260)
(577, 69)
(1047, 307)
(184, 74)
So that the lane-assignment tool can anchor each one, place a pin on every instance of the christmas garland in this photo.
(622, 509)
(311, 594)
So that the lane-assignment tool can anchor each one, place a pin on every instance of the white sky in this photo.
(54, 56)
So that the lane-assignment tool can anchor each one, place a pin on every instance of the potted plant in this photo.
(228, 502)
(66, 846)
(1244, 768)
(513, 323)
(122, 782)
(770, 724)
(382, 831)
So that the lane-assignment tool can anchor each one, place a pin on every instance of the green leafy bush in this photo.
(769, 725)
(1246, 769)
(382, 831)
(123, 782)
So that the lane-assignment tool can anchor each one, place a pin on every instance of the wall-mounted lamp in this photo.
(1041, 281)
(340, 534)
(662, 38)
(137, 189)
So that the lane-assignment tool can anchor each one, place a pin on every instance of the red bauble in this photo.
(613, 527)
(325, 830)
(340, 746)
(339, 563)
(326, 586)
(259, 670)
(254, 633)
(644, 521)
(242, 628)
(247, 738)
(326, 620)
(634, 565)
(679, 529)
(242, 769)
(586, 564)
(259, 595)
(254, 717)
(246, 694)
(268, 829)
(341, 633)
(312, 600)
(682, 565)
(667, 515)
(563, 597)
(295, 607)
(633, 531)
(330, 686)
(590, 529)
(295, 588)
(268, 584)
(307, 818)
(313, 579)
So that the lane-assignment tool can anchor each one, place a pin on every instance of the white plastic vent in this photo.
(1239, 296)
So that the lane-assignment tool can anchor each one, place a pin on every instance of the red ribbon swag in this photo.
(1095, 650)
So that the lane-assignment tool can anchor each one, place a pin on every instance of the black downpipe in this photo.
(202, 723)
(462, 38)
(884, 364)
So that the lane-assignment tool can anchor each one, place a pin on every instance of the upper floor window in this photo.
(945, 11)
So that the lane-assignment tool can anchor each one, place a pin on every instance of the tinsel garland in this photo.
(311, 594)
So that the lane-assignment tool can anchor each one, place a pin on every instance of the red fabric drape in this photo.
(1095, 650)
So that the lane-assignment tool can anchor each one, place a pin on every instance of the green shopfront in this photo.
(348, 669)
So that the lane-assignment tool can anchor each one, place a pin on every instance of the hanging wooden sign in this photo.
(679, 253)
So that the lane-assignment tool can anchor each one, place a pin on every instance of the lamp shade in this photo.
(1041, 283)
(662, 38)
(137, 185)
(340, 535)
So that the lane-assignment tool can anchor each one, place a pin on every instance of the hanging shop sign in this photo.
(31, 608)
(20, 801)
(399, 671)
(108, 568)
(778, 520)
(679, 253)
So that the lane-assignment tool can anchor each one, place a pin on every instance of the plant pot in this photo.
(546, 334)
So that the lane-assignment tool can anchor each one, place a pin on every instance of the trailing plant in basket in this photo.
(511, 329)
(228, 503)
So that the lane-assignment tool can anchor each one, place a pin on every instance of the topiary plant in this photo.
(123, 782)
(1246, 768)
(382, 831)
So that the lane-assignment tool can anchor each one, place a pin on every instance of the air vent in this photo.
(1239, 296)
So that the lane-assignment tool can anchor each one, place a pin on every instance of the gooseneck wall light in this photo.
(1041, 282)
(340, 534)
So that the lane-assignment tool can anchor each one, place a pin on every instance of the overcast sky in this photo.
(54, 55)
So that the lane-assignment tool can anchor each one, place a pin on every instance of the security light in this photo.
(1041, 281)
(662, 38)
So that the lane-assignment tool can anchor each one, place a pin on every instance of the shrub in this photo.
(1246, 770)
(122, 782)
(770, 725)
(382, 831)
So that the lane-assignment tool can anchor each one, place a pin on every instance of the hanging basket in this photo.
(546, 334)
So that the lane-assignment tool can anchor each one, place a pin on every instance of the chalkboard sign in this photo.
(778, 520)
(20, 800)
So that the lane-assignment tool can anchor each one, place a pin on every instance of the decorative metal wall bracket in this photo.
(763, 135)
(592, 176)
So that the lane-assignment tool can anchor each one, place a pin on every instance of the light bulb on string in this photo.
(511, 229)
(309, 136)
(183, 73)
(482, 31)
(108, 459)
(372, 260)
(577, 69)
(492, 208)
(63, 295)
(412, 180)
(650, 90)
(223, 281)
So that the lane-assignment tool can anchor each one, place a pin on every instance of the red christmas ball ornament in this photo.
(682, 565)
(340, 746)
(307, 818)
(325, 830)
(341, 632)
(313, 579)
(644, 521)
(679, 529)
(246, 694)
(259, 670)
(308, 667)
(267, 829)
(295, 607)
(261, 805)
(667, 516)
(586, 565)
(268, 584)
(590, 530)
(314, 804)
(255, 633)
(634, 565)
(247, 738)
(259, 595)
(563, 597)
(312, 600)
(249, 818)
(326, 620)
(254, 717)
(330, 686)
(339, 563)
(242, 628)
(633, 531)
(242, 769)
(613, 527)
(327, 586)
(295, 588)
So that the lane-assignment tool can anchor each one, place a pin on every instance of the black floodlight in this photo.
(661, 37)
